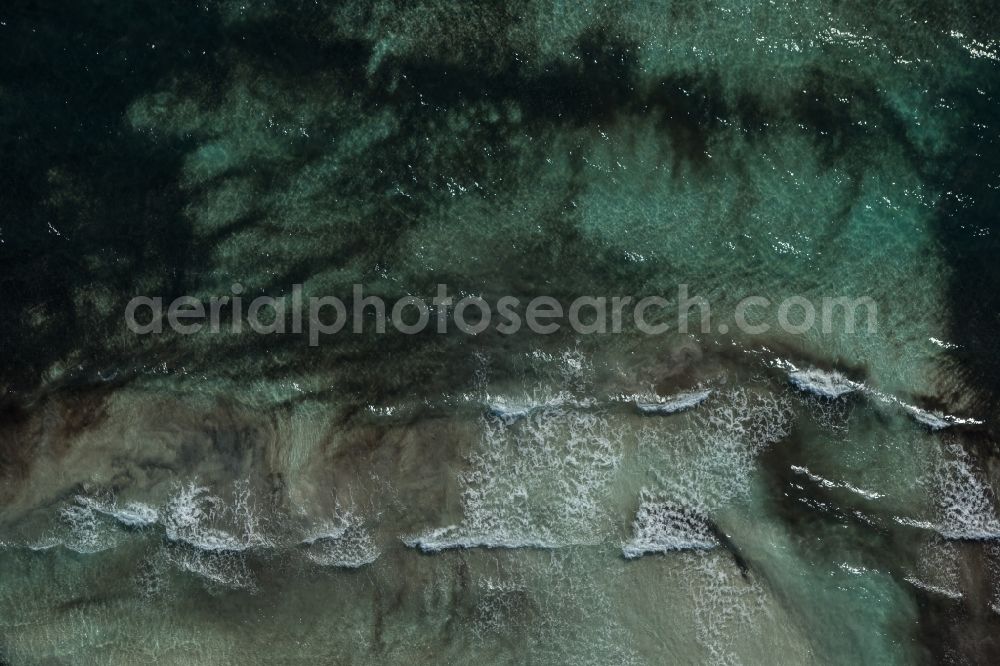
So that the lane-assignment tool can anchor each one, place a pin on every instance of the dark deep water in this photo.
(385, 498)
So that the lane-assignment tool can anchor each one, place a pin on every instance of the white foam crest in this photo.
(82, 529)
(510, 413)
(833, 385)
(937, 420)
(942, 344)
(826, 384)
(45, 543)
(86, 531)
(855, 569)
(130, 514)
(934, 421)
(511, 409)
(675, 403)
(186, 514)
(661, 526)
(191, 520)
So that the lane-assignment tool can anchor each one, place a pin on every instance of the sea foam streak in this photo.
(343, 542)
(661, 526)
(87, 533)
(966, 502)
(943, 591)
(702, 470)
(826, 483)
(186, 520)
(536, 483)
(937, 569)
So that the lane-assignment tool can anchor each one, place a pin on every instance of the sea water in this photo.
(711, 496)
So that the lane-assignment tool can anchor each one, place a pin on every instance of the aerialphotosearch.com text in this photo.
(319, 316)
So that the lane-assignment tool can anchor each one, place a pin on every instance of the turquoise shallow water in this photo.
(715, 496)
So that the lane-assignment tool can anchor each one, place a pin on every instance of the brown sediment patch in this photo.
(673, 365)
(447, 589)
(684, 367)
(74, 414)
(129, 442)
(46, 428)
(235, 439)
(17, 446)
(407, 466)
